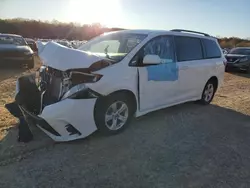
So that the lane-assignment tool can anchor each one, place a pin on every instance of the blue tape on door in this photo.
(163, 72)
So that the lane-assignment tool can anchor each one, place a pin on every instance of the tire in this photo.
(108, 108)
(31, 64)
(208, 92)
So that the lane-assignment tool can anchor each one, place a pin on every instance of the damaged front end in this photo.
(56, 85)
(58, 101)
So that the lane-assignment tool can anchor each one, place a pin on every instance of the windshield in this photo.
(19, 41)
(114, 46)
(241, 51)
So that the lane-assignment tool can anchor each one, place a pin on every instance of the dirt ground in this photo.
(183, 146)
(8, 78)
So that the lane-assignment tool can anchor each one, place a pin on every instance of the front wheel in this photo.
(208, 93)
(113, 114)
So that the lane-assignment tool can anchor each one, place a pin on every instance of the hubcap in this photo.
(116, 115)
(208, 93)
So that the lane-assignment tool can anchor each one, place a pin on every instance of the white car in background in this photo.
(117, 76)
(64, 43)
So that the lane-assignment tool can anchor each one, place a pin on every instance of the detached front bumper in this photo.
(70, 118)
(36, 120)
(66, 120)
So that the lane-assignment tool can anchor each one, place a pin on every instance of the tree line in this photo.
(233, 42)
(75, 31)
(52, 29)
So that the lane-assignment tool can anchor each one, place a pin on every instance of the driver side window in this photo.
(161, 46)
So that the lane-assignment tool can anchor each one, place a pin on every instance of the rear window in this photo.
(211, 49)
(188, 48)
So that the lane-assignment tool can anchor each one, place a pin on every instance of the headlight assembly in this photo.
(84, 94)
(83, 77)
(80, 92)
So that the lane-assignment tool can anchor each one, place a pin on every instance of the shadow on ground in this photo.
(11, 148)
(183, 146)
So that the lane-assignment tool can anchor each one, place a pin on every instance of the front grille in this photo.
(54, 87)
(50, 82)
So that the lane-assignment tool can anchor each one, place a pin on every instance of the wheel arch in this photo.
(215, 80)
(128, 93)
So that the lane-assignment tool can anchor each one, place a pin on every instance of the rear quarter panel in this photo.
(215, 68)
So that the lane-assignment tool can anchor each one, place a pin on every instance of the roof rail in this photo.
(189, 31)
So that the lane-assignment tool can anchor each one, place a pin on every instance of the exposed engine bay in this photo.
(63, 75)
(56, 85)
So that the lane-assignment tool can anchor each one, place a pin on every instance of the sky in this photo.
(223, 18)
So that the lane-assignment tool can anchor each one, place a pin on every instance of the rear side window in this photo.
(161, 46)
(211, 49)
(188, 48)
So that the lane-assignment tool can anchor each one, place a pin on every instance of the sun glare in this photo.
(105, 12)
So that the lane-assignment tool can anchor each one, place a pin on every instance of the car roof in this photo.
(9, 35)
(166, 32)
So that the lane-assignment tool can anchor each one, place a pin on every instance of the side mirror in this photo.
(151, 59)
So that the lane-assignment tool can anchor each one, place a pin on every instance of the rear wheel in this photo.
(208, 92)
(113, 114)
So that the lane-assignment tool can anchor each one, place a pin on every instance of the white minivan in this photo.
(117, 76)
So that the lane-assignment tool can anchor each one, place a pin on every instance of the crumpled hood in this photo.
(40, 46)
(62, 58)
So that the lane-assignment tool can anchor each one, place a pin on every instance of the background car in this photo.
(238, 59)
(64, 43)
(32, 44)
(14, 50)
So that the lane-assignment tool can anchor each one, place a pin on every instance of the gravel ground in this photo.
(183, 146)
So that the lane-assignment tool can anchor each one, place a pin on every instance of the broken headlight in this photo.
(83, 77)
(80, 92)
